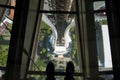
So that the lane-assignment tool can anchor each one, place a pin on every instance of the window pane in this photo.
(99, 5)
(107, 76)
(103, 42)
(59, 5)
(5, 33)
(58, 42)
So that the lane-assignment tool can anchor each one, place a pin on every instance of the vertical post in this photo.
(113, 15)
(91, 55)
(88, 35)
(17, 41)
(31, 36)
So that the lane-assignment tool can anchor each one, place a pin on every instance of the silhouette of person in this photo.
(69, 71)
(50, 72)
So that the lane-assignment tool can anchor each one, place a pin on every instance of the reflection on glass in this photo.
(57, 41)
(99, 5)
(103, 42)
(59, 5)
(107, 76)
(6, 17)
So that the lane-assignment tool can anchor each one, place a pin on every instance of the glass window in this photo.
(5, 32)
(102, 37)
(6, 20)
(58, 41)
(99, 5)
(103, 41)
(107, 76)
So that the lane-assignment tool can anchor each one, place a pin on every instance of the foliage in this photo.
(44, 25)
(44, 30)
(41, 64)
(10, 26)
(103, 22)
(4, 44)
(3, 55)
